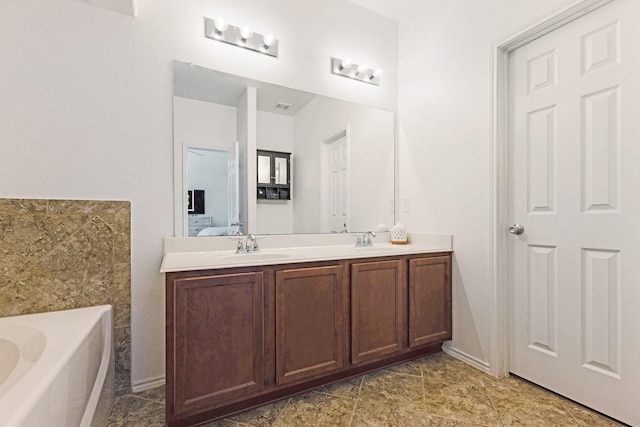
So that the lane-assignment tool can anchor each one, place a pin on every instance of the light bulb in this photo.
(220, 25)
(246, 33)
(268, 41)
(375, 74)
(346, 63)
(362, 68)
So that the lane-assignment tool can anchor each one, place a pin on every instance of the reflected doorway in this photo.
(210, 190)
(334, 215)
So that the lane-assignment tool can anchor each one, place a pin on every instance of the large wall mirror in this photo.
(332, 160)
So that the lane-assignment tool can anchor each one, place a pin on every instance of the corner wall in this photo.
(275, 133)
(371, 169)
(445, 139)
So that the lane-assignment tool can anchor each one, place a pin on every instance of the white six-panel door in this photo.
(338, 180)
(574, 184)
(233, 214)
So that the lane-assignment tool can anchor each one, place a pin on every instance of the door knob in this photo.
(516, 229)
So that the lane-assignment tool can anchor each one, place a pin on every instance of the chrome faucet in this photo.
(365, 241)
(240, 248)
(250, 246)
(252, 243)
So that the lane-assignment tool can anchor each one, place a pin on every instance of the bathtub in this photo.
(56, 369)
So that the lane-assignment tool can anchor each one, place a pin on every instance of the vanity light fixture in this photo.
(362, 72)
(218, 29)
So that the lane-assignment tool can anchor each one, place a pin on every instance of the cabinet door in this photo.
(265, 175)
(377, 295)
(218, 339)
(429, 300)
(281, 169)
(309, 322)
(274, 168)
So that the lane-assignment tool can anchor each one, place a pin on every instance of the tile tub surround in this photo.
(63, 254)
(436, 390)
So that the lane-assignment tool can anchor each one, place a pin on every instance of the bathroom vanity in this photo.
(243, 330)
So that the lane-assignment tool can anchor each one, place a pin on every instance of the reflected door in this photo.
(234, 190)
(337, 177)
(574, 155)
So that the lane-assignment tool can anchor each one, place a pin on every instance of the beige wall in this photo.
(64, 254)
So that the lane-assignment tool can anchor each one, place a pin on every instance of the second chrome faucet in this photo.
(250, 246)
(365, 241)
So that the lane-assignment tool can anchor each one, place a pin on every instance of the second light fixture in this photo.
(361, 72)
(220, 30)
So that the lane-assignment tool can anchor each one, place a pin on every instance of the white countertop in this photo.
(185, 260)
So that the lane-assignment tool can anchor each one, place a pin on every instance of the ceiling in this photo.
(203, 84)
(128, 7)
(388, 8)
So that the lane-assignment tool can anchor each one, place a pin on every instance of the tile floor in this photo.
(437, 390)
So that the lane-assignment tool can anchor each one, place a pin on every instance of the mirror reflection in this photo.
(264, 165)
(252, 157)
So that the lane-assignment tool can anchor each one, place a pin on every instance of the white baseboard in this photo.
(449, 349)
(151, 383)
(148, 384)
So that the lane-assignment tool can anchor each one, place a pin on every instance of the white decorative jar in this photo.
(399, 234)
(382, 228)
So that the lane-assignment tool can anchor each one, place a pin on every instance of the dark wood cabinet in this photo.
(274, 175)
(218, 339)
(377, 313)
(309, 322)
(429, 300)
(242, 337)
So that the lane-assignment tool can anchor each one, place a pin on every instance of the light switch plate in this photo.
(406, 205)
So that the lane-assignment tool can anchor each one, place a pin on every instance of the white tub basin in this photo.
(53, 367)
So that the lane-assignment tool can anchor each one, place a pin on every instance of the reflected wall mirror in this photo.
(338, 172)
